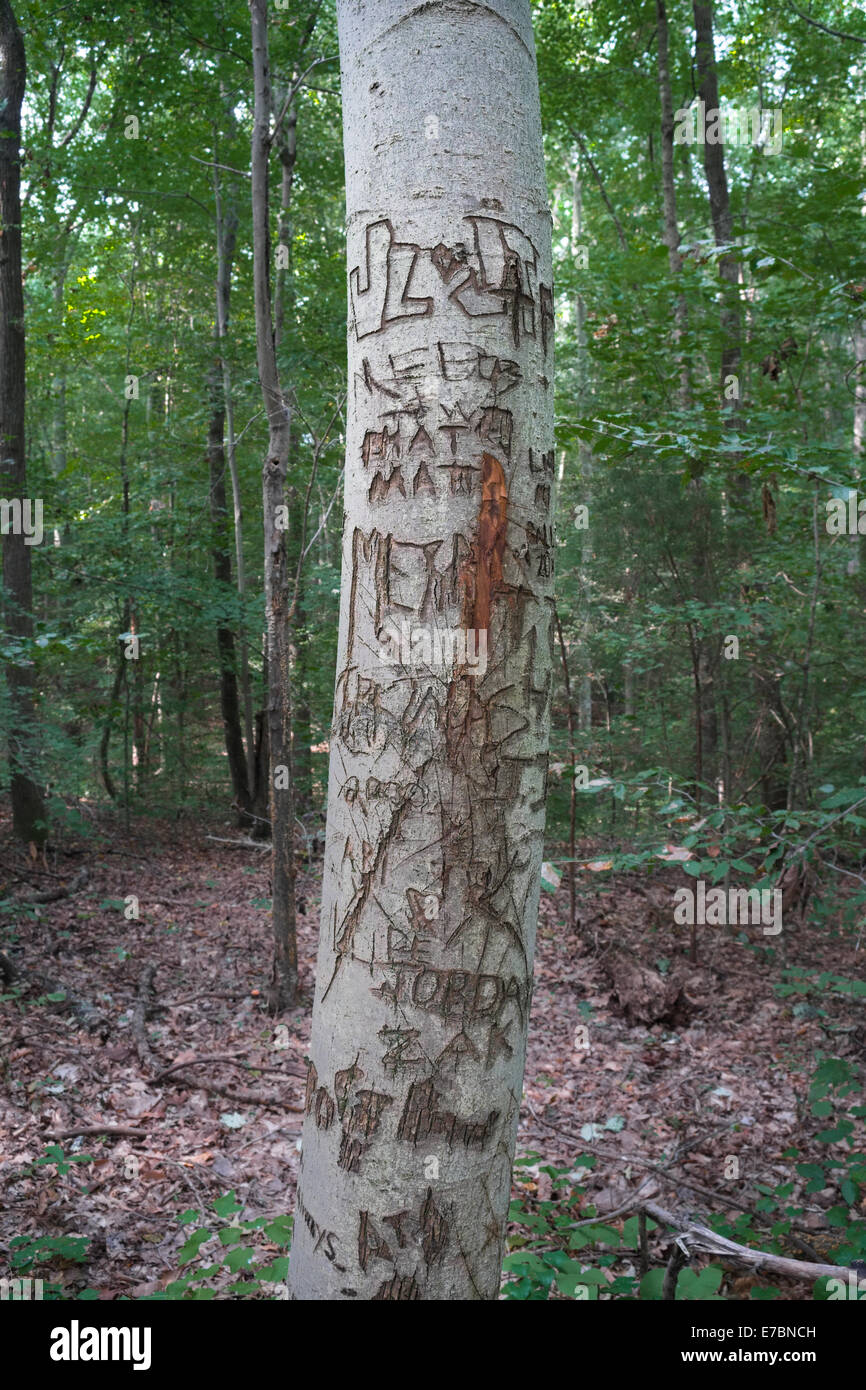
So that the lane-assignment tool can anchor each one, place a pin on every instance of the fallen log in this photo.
(696, 1239)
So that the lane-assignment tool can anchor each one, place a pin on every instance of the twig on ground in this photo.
(262, 846)
(234, 1059)
(51, 895)
(237, 1093)
(139, 1019)
(205, 994)
(112, 1131)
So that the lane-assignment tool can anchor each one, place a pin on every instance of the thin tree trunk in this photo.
(438, 760)
(671, 234)
(729, 366)
(572, 801)
(801, 758)
(28, 808)
(222, 565)
(302, 776)
(720, 203)
(285, 968)
(859, 433)
(58, 420)
(179, 694)
(287, 148)
(855, 567)
(105, 737)
(226, 224)
(585, 462)
(229, 699)
(139, 755)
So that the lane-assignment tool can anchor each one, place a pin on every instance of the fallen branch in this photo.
(52, 895)
(113, 1131)
(237, 1093)
(87, 1014)
(590, 1146)
(263, 1138)
(234, 1059)
(241, 844)
(205, 994)
(693, 1238)
(148, 901)
(634, 1202)
(139, 1019)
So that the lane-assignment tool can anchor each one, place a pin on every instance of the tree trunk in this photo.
(226, 225)
(28, 809)
(222, 568)
(720, 203)
(58, 390)
(284, 979)
(302, 763)
(438, 759)
(731, 332)
(572, 791)
(287, 148)
(585, 466)
(859, 441)
(670, 233)
(859, 434)
(222, 565)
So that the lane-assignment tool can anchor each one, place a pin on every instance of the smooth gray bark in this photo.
(438, 765)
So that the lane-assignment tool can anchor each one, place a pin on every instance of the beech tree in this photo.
(438, 752)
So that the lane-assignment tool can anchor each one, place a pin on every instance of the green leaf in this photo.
(193, 1244)
(239, 1258)
(280, 1230)
(226, 1205)
(837, 1216)
(703, 1285)
(604, 1235)
(651, 1284)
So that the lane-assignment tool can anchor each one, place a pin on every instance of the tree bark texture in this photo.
(438, 758)
(28, 811)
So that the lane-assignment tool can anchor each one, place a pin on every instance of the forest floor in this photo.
(211, 1092)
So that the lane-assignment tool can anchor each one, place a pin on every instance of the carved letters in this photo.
(450, 340)
(495, 276)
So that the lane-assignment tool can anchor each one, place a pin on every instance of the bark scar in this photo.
(483, 569)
